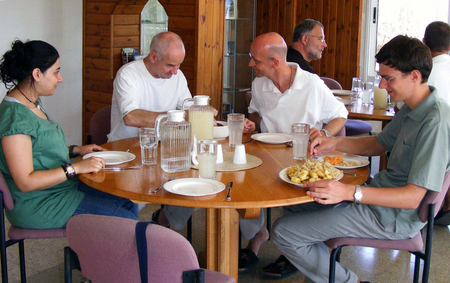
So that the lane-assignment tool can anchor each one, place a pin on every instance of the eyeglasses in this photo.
(256, 60)
(389, 79)
(321, 38)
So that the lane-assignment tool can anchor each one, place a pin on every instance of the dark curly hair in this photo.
(18, 63)
(406, 54)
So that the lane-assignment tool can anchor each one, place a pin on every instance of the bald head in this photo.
(164, 42)
(270, 45)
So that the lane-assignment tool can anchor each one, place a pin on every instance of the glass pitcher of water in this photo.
(176, 144)
(201, 117)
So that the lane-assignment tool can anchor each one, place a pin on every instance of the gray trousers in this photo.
(299, 235)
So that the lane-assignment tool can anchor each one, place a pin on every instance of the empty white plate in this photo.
(112, 157)
(194, 187)
(273, 138)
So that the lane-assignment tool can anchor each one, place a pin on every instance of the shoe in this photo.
(247, 259)
(155, 217)
(281, 268)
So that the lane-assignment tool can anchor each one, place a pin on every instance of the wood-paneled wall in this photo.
(110, 25)
(341, 20)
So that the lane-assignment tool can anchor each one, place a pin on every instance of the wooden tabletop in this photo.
(257, 187)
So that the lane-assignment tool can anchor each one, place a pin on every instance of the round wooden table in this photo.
(252, 189)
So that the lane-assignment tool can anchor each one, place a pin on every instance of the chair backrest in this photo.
(435, 198)
(100, 125)
(7, 197)
(331, 83)
(106, 248)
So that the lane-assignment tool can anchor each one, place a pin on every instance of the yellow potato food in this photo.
(311, 171)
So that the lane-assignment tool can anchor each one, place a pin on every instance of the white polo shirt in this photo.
(308, 100)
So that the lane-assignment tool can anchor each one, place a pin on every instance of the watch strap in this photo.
(69, 171)
(358, 194)
(326, 132)
(71, 154)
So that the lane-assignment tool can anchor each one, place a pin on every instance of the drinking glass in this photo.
(207, 155)
(235, 127)
(300, 138)
(356, 89)
(367, 93)
(149, 145)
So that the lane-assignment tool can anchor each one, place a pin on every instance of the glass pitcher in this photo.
(176, 143)
(201, 117)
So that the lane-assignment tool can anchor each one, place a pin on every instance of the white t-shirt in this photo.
(308, 100)
(135, 88)
(440, 76)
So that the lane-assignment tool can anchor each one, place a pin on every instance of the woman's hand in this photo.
(330, 191)
(89, 165)
(85, 149)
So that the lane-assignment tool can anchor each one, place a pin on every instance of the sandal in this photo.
(281, 268)
(247, 259)
(155, 217)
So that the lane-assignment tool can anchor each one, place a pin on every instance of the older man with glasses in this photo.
(308, 43)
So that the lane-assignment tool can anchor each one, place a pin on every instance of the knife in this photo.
(121, 168)
(230, 184)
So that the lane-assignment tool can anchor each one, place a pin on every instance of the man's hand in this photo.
(329, 191)
(249, 126)
(315, 133)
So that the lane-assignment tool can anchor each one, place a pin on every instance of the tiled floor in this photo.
(45, 258)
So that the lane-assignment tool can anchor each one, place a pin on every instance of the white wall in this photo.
(60, 24)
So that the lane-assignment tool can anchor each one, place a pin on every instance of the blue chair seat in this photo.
(356, 127)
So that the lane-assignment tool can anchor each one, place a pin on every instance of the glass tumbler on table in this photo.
(300, 139)
(356, 90)
(207, 155)
(235, 127)
(367, 93)
(149, 145)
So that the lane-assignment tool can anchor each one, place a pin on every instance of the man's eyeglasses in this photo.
(321, 38)
(256, 60)
(389, 79)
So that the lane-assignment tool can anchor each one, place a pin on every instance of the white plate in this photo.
(272, 138)
(361, 162)
(284, 177)
(341, 92)
(112, 157)
(345, 101)
(194, 187)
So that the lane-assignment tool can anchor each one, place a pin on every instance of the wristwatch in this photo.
(326, 132)
(358, 194)
(69, 171)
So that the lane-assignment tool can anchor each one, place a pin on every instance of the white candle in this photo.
(379, 98)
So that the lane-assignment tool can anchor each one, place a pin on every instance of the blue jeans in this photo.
(100, 203)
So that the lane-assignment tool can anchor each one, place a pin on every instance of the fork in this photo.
(162, 185)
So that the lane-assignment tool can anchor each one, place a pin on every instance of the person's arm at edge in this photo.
(334, 127)
(141, 118)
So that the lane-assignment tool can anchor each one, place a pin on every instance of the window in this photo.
(154, 20)
(385, 19)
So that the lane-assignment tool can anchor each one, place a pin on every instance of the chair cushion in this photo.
(19, 234)
(217, 277)
(356, 127)
(413, 245)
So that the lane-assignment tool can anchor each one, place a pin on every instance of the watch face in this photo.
(358, 195)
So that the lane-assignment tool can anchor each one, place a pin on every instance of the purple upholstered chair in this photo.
(427, 212)
(331, 83)
(106, 249)
(100, 126)
(17, 235)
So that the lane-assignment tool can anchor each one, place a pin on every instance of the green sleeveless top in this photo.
(41, 209)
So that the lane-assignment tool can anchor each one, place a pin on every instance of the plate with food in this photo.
(345, 161)
(310, 171)
(273, 138)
